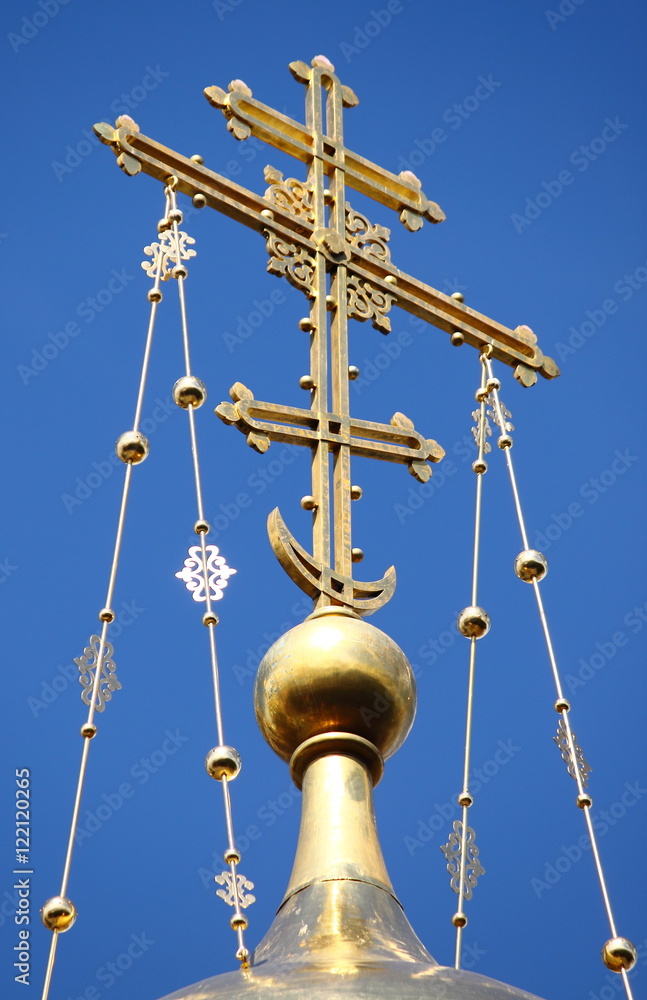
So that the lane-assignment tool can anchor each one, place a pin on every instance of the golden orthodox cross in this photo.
(343, 264)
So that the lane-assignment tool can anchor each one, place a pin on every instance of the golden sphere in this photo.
(479, 466)
(619, 953)
(58, 913)
(457, 296)
(210, 618)
(584, 801)
(202, 527)
(505, 441)
(179, 271)
(465, 799)
(307, 382)
(189, 391)
(238, 922)
(306, 324)
(154, 295)
(88, 730)
(356, 492)
(197, 159)
(223, 762)
(199, 200)
(531, 565)
(562, 705)
(473, 622)
(132, 447)
(106, 615)
(353, 373)
(232, 856)
(308, 502)
(459, 920)
(457, 338)
(334, 673)
(175, 215)
(356, 555)
(481, 395)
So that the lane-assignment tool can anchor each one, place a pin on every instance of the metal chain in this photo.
(618, 953)
(223, 762)
(59, 913)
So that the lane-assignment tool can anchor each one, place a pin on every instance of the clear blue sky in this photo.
(526, 125)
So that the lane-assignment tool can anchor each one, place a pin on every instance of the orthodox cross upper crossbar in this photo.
(342, 262)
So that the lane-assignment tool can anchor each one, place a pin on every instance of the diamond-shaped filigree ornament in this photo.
(580, 763)
(218, 573)
(481, 430)
(473, 867)
(87, 664)
(171, 249)
(505, 425)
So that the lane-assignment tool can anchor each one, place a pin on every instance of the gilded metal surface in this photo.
(464, 877)
(136, 152)
(340, 933)
(573, 766)
(97, 657)
(217, 573)
(334, 673)
(338, 835)
(313, 232)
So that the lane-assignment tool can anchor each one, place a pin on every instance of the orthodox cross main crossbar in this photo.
(343, 264)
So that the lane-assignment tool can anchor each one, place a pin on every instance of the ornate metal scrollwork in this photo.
(361, 233)
(366, 302)
(291, 195)
(87, 664)
(230, 892)
(218, 573)
(573, 766)
(170, 250)
(473, 867)
(292, 261)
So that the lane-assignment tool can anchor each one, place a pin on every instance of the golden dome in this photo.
(334, 673)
